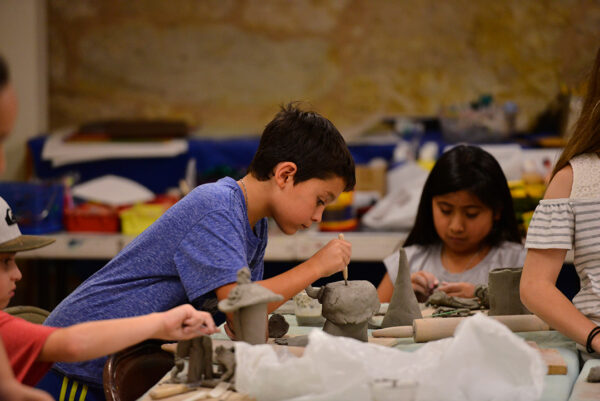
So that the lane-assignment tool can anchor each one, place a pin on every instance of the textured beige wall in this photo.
(227, 64)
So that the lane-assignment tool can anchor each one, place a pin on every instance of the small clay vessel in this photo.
(503, 292)
(404, 307)
(248, 303)
(347, 308)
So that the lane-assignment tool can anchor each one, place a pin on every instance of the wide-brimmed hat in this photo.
(11, 239)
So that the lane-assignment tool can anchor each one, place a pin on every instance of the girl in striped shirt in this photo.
(569, 218)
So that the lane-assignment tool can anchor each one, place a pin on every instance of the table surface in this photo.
(582, 390)
(556, 387)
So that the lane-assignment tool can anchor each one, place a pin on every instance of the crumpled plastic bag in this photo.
(397, 210)
(483, 361)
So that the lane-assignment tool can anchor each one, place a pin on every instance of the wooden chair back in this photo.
(129, 373)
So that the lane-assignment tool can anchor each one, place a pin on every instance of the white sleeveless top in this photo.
(574, 223)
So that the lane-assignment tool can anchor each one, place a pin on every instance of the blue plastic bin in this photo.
(38, 208)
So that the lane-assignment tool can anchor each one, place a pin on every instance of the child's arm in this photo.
(540, 295)
(385, 289)
(330, 259)
(538, 280)
(95, 339)
(11, 389)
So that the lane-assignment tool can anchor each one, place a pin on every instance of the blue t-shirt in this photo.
(197, 246)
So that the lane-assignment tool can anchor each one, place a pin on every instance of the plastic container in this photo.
(340, 215)
(38, 208)
(92, 217)
(307, 310)
(139, 217)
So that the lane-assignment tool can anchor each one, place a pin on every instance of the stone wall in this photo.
(226, 65)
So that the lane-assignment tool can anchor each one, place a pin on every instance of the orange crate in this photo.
(92, 217)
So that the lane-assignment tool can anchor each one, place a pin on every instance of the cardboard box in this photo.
(371, 178)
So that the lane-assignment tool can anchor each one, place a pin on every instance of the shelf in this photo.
(366, 246)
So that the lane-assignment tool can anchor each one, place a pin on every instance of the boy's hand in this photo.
(462, 290)
(423, 283)
(333, 257)
(185, 322)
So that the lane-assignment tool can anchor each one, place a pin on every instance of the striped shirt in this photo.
(574, 223)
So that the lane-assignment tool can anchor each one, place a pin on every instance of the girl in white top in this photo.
(465, 227)
(569, 218)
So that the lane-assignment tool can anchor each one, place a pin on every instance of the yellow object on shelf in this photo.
(139, 217)
(340, 215)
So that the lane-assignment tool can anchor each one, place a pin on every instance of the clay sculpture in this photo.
(347, 308)
(482, 294)
(403, 307)
(278, 327)
(440, 298)
(248, 303)
(225, 359)
(503, 292)
(199, 352)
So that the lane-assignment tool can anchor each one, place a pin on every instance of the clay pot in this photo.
(503, 292)
(347, 308)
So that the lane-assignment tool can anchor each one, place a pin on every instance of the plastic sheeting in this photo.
(398, 209)
(483, 361)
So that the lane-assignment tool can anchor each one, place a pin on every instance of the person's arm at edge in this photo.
(538, 281)
(91, 340)
(385, 289)
(11, 389)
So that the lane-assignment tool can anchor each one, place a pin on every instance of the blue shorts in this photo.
(63, 388)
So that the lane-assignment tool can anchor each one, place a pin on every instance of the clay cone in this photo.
(404, 307)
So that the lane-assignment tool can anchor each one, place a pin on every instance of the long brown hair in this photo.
(586, 135)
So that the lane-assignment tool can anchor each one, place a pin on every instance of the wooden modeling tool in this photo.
(345, 271)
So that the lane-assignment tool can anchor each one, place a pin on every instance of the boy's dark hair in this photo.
(4, 76)
(471, 169)
(307, 139)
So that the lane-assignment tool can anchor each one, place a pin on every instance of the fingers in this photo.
(419, 283)
(345, 248)
(200, 322)
(424, 282)
(332, 258)
(462, 290)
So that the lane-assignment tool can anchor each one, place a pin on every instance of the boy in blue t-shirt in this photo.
(193, 252)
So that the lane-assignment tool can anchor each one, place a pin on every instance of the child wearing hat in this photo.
(32, 348)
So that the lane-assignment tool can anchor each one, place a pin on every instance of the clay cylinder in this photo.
(434, 329)
(396, 331)
(250, 323)
(503, 292)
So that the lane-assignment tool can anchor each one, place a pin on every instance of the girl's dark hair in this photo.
(309, 140)
(471, 169)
